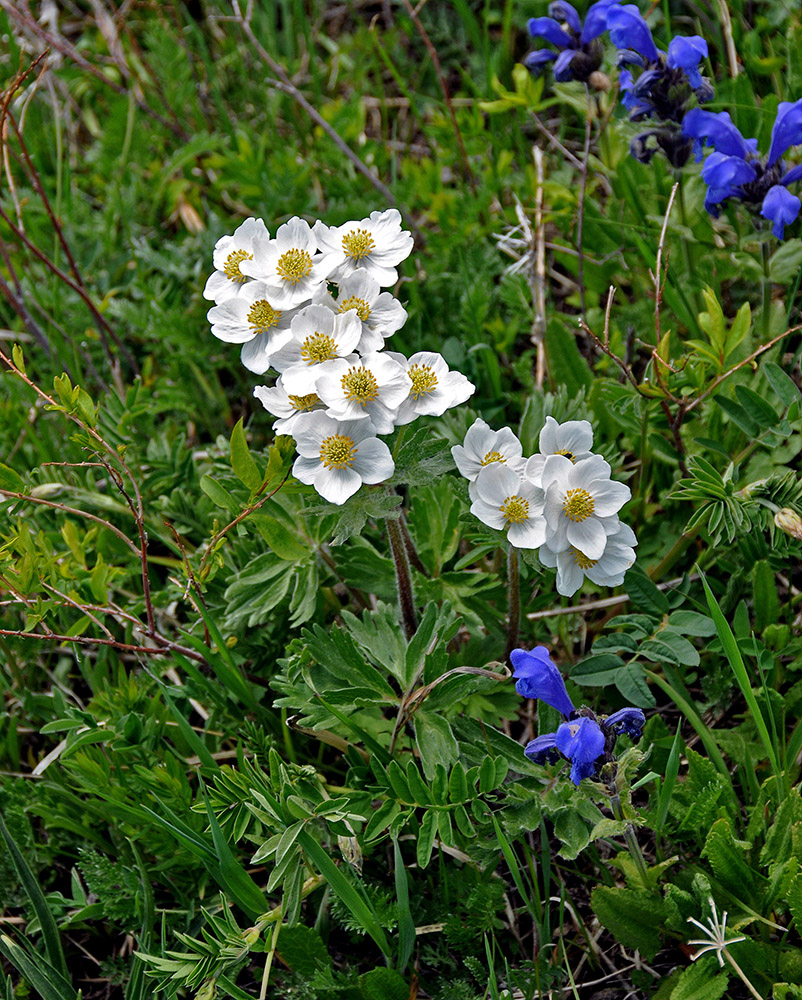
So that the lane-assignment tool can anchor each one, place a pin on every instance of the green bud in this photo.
(790, 522)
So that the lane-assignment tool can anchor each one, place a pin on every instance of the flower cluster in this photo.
(561, 501)
(584, 739)
(654, 84)
(337, 388)
(736, 170)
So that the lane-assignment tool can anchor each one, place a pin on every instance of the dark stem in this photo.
(765, 287)
(403, 578)
(514, 589)
(409, 545)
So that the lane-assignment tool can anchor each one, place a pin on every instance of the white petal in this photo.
(608, 496)
(373, 461)
(488, 514)
(588, 536)
(337, 485)
(529, 534)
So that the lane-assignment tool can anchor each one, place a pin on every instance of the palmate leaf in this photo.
(367, 503)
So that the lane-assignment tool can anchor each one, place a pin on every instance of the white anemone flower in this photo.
(381, 313)
(287, 408)
(483, 446)
(289, 265)
(251, 319)
(506, 500)
(318, 336)
(230, 252)
(433, 390)
(337, 457)
(573, 439)
(376, 244)
(372, 388)
(582, 504)
(573, 566)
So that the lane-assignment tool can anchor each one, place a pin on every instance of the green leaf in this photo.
(684, 651)
(47, 981)
(566, 365)
(766, 598)
(759, 410)
(634, 917)
(245, 468)
(701, 981)
(644, 593)
(9, 480)
(280, 538)
(738, 416)
(691, 623)
(436, 742)
(785, 262)
(47, 923)
(631, 682)
(712, 321)
(406, 923)
(303, 950)
(596, 670)
(782, 383)
(383, 984)
(219, 495)
(381, 818)
(428, 830)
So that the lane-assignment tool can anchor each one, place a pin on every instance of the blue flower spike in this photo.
(686, 54)
(629, 30)
(584, 740)
(736, 170)
(579, 55)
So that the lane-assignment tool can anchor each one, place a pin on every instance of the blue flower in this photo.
(579, 53)
(735, 170)
(583, 739)
(538, 677)
(664, 85)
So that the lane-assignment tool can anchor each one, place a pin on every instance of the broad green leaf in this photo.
(383, 984)
(242, 462)
(761, 412)
(783, 385)
(428, 831)
(631, 682)
(692, 623)
(219, 495)
(279, 538)
(633, 917)
(596, 670)
(10, 480)
(644, 594)
(766, 598)
(701, 981)
(436, 742)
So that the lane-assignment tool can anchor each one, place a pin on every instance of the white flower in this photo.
(608, 571)
(715, 936)
(229, 253)
(433, 390)
(381, 313)
(289, 264)
(573, 439)
(582, 503)
(287, 408)
(483, 446)
(374, 387)
(318, 336)
(336, 458)
(376, 244)
(251, 319)
(505, 500)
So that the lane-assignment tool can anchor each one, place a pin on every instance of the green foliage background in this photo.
(235, 777)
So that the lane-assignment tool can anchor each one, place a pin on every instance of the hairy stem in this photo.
(514, 589)
(403, 578)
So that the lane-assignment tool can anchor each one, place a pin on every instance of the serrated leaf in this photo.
(700, 981)
(383, 984)
(632, 916)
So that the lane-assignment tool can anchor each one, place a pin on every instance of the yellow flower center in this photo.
(318, 347)
(360, 305)
(337, 451)
(567, 453)
(493, 456)
(294, 265)
(304, 402)
(261, 316)
(360, 385)
(423, 380)
(358, 244)
(578, 505)
(582, 560)
(232, 263)
(515, 509)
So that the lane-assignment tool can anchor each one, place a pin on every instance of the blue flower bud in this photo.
(686, 54)
(626, 720)
(582, 742)
(542, 750)
(628, 30)
(548, 28)
(538, 677)
(787, 130)
(781, 207)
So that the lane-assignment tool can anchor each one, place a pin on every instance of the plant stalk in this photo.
(631, 841)
(514, 589)
(403, 578)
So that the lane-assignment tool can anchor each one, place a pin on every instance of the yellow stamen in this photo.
(515, 510)
(337, 451)
(423, 380)
(261, 316)
(360, 305)
(493, 456)
(578, 505)
(232, 263)
(293, 265)
(304, 402)
(567, 453)
(358, 244)
(582, 560)
(360, 385)
(318, 347)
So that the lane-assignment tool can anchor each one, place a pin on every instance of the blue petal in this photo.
(562, 66)
(781, 207)
(721, 171)
(535, 61)
(794, 174)
(626, 720)
(787, 130)
(582, 742)
(543, 749)
(718, 130)
(686, 54)
(582, 769)
(538, 677)
(561, 10)
(628, 30)
(548, 28)
(596, 20)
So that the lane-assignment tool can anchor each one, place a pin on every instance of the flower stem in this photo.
(513, 584)
(403, 578)
(765, 287)
(631, 841)
(740, 972)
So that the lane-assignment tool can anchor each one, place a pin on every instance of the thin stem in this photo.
(631, 840)
(580, 219)
(740, 972)
(514, 590)
(403, 578)
(765, 289)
